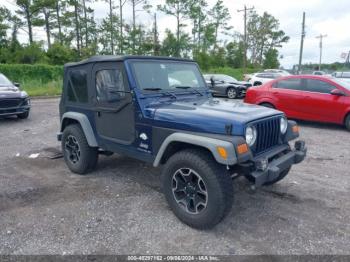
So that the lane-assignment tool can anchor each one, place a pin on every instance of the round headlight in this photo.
(283, 125)
(250, 135)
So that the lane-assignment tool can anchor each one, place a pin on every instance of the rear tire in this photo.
(268, 105)
(197, 188)
(232, 93)
(24, 115)
(78, 155)
(347, 122)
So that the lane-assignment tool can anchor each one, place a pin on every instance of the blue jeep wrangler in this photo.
(159, 110)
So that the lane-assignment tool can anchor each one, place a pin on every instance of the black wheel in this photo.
(231, 93)
(24, 115)
(267, 105)
(347, 122)
(78, 155)
(198, 189)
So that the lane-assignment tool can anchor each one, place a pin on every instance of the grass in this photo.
(40, 88)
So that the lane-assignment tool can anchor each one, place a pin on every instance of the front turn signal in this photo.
(222, 152)
(296, 129)
(242, 149)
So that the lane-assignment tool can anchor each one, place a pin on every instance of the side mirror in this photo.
(337, 92)
(17, 84)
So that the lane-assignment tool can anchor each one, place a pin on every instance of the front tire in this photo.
(232, 93)
(78, 155)
(347, 122)
(197, 188)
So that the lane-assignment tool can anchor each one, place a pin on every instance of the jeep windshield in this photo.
(167, 76)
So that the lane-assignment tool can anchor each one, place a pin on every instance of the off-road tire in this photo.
(232, 93)
(88, 155)
(218, 185)
(347, 122)
(24, 115)
(268, 105)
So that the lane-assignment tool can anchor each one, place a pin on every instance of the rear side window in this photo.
(319, 86)
(293, 84)
(77, 90)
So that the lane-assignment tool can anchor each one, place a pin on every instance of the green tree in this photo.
(180, 10)
(4, 25)
(263, 34)
(47, 9)
(31, 54)
(29, 12)
(235, 54)
(197, 14)
(59, 54)
(271, 59)
(135, 4)
(221, 16)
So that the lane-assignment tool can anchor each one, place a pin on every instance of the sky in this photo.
(331, 18)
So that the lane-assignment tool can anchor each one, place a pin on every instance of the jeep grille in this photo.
(268, 134)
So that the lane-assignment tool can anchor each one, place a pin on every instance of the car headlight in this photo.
(283, 125)
(24, 94)
(250, 135)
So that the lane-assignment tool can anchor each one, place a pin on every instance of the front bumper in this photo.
(268, 167)
(23, 107)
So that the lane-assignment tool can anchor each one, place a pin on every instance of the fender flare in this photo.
(206, 142)
(85, 125)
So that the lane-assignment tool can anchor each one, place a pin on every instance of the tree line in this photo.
(202, 32)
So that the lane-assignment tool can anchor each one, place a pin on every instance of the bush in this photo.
(35, 79)
(22, 73)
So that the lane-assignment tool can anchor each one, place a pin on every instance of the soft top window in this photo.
(77, 89)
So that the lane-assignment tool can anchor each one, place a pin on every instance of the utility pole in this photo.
(321, 40)
(245, 36)
(155, 36)
(301, 43)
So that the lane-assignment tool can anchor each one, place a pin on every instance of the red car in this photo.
(315, 98)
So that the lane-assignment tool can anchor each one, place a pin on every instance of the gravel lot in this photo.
(119, 209)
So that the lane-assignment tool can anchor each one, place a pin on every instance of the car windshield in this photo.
(4, 81)
(167, 75)
(342, 83)
(226, 78)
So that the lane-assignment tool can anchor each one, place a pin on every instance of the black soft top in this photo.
(110, 58)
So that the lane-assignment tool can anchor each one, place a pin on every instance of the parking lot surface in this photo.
(119, 208)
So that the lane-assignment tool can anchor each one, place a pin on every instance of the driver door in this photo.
(114, 109)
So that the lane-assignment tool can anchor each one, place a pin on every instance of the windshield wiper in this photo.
(159, 89)
(189, 87)
(152, 89)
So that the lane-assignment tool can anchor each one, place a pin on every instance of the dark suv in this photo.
(13, 101)
(159, 110)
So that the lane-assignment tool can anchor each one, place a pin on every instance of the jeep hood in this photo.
(208, 115)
